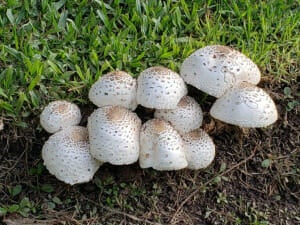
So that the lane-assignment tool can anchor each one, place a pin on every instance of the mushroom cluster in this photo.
(173, 139)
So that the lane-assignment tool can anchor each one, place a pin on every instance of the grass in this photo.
(57, 49)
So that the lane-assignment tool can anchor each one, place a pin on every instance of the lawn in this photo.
(57, 49)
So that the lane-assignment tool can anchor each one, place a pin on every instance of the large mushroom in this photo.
(160, 88)
(246, 106)
(114, 88)
(199, 149)
(161, 146)
(187, 116)
(216, 68)
(66, 155)
(114, 135)
(59, 114)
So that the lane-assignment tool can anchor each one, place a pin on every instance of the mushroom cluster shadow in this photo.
(170, 140)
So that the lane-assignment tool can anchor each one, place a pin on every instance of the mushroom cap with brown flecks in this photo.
(66, 155)
(199, 149)
(114, 135)
(58, 115)
(161, 146)
(216, 68)
(114, 88)
(160, 88)
(246, 106)
(187, 116)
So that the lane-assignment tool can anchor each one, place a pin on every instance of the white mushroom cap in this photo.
(246, 106)
(161, 146)
(114, 88)
(160, 88)
(58, 115)
(66, 155)
(216, 68)
(187, 116)
(114, 135)
(199, 149)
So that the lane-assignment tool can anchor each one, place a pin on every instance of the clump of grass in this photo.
(56, 50)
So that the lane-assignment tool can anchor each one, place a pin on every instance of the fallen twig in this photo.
(210, 180)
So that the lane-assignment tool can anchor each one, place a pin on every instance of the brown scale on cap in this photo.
(223, 49)
(159, 125)
(116, 113)
(194, 135)
(62, 108)
(184, 102)
(79, 135)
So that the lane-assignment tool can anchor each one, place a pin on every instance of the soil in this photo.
(253, 179)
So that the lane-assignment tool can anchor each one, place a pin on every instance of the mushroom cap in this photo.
(58, 115)
(66, 155)
(160, 88)
(216, 68)
(114, 88)
(199, 149)
(161, 146)
(246, 106)
(114, 135)
(187, 116)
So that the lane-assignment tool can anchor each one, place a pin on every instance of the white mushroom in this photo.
(187, 116)
(246, 106)
(216, 68)
(114, 135)
(160, 88)
(199, 149)
(66, 155)
(161, 146)
(114, 88)
(59, 114)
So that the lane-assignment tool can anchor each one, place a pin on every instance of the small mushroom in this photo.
(66, 155)
(114, 88)
(246, 106)
(160, 88)
(58, 115)
(216, 68)
(161, 146)
(114, 135)
(199, 149)
(187, 116)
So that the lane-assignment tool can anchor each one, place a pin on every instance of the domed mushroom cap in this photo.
(161, 147)
(114, 135)
(58, 115)
(114, 88)
(187, 116)
(66, 155)
(199, 149)
(160, 88)
(246, 106)
(216, 68)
